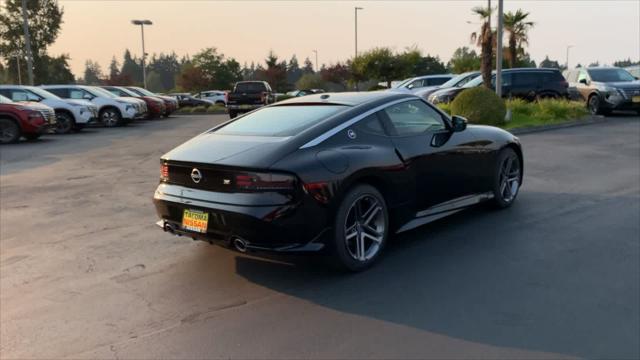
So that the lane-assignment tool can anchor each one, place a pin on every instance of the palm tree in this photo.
(517, 27)
(484, 39)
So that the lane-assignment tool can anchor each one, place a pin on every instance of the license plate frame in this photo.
(195, 220)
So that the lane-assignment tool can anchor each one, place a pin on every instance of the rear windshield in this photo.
(279, 121)
(251, 87)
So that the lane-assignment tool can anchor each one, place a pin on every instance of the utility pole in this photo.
(356, 34)
(566, 64)
(499, 50)
(142, 23)
(317, 68)
(27, 42)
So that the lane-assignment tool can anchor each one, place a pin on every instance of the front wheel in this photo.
(110, 117)
(64, 123)
(361, 228)
(9, 131)
(508, 177)
(232, 114)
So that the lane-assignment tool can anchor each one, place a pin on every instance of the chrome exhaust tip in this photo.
(240, 244)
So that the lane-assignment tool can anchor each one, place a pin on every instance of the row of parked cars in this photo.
(603, 89)
(30, 111)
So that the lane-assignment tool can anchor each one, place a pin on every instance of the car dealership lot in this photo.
(85, 273)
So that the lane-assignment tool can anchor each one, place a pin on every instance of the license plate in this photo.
(245, 107)
(636, 99)
(194, 220)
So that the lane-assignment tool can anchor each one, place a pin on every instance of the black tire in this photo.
(110, 117)
(64, 122)
(32, 137)
(507, 178)
(595, 106)
(232, 114)
(9, 131)
(346, 250)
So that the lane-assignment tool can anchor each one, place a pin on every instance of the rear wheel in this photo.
(64, 122)
(9, 131)
(361, 228)
(508, 176)
(595, 106)
(232, 114)
(110, 117)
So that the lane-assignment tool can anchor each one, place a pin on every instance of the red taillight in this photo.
(164, 172)
(319, 190)
(264, 182)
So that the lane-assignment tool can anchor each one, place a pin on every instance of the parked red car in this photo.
(170, 103)
(24, 119)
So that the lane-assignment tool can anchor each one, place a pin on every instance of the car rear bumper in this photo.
(244, 107)
(273, 228)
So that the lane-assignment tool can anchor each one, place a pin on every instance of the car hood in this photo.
(623, 84)
(230, 150)
(448, 91)
(30, 105)
(130, 100)
(78, 102)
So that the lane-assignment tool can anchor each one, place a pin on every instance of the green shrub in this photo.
(446, 107)
(480, 106)
(199, 109)
(377, 87)
(543, 112)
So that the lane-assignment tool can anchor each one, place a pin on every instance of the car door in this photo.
(436, 157)
(524, 85)
(583, 85)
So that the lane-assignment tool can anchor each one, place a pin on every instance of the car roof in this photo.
(344, 98)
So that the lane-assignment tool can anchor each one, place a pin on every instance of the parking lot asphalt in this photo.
(85, 273)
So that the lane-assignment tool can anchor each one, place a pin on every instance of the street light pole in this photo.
(499, 50)
(142, 23)
(566, 64)
(356, 35)
(27, 42)
(316, 51)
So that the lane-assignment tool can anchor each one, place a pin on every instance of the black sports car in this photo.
(336, 172)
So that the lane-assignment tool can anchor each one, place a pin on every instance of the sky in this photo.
(603, 31)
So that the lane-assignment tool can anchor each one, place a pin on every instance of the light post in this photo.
(16, 54)
(499, 50)
(567, 63)
(142, 23)
(316, 51)
(356, 35)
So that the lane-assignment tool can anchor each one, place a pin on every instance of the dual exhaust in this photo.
(239, 243)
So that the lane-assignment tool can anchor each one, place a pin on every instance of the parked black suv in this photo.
(526, 83)
(605, 89)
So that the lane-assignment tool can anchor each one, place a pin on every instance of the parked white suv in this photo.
(70, 114)
(112, 110)
(216, 96)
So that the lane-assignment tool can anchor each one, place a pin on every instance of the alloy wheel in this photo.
(594, 105)
(109, 118)
(364, 228)
(63, 124)
(509, 177)
(9, 132)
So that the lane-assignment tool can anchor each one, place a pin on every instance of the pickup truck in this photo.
(247, 96)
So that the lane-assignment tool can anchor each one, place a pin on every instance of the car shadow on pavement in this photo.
(541, 276)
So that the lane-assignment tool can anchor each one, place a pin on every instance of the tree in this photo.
(294, 73)
(131, 68)
(428, 65)
(594, 64)
(484, 39)
(114, 70)
(310, 81)
(53, 70)
(166, 66)
(154, 82)
(463, 60)
(337, 74)
(626, 63)
(548, 63)
(92, 73)
(191, 78)
(275, 73)
(44, 17)
(517, 26)
(308, 66)
(218, 72)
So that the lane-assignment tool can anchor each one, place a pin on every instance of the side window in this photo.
(19, 95)
(437, 81)
(506, 80)
(414, 117)
(372, 125)
(415, 84)
(63, 93)
(525, 79)
(582, 75)
(76, 94)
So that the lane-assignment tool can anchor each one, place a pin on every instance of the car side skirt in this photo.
(444, 209)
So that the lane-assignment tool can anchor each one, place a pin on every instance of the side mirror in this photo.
(87, 97)
(459, 123)
(584, 81)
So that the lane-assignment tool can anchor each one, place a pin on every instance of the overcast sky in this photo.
(602, 31)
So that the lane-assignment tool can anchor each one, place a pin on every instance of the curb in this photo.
(587, 120)
(212, 113)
